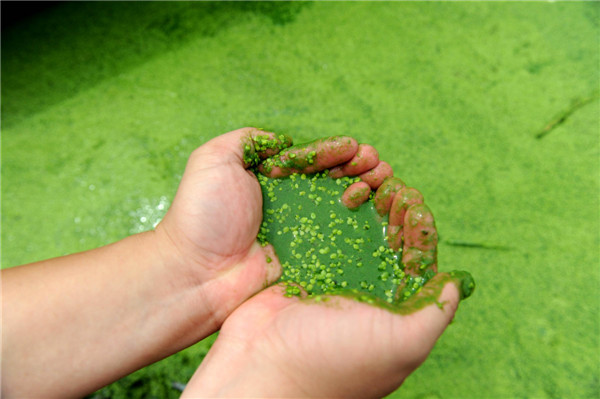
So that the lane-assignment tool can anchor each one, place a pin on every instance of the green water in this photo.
(324, 246)
(103, 102)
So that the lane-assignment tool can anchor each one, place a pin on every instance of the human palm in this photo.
(336, 348)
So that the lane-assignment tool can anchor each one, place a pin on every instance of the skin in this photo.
(149, 295)
(76, 323)
(377, 175)
(385, 194)
(404, 198)
(366, 158)
(324, 154)
(364, 162)
(419, 253)
(356, 194)
(145, 297)
(311, 157)
(278, 345)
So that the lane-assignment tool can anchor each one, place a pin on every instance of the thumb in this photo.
(431, 310)
(254, 315)
(246, 146)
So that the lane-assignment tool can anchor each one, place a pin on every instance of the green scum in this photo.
(326, 248)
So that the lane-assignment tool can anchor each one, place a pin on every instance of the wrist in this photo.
(180, 270)
(170, 293)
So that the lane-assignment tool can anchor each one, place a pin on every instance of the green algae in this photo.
(257, 147)
(417, 300)
(324, 247)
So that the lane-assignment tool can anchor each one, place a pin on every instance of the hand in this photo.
(104, 313)
(307, 159)
(327, 345)
(276, 346)
(216, 214)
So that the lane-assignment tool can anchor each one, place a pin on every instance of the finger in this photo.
(311, 157)
(365, 159)
(272, 265)
(377, 175)
(281, 295)
(444, 290)
(356, 194)
(259, 269)
(385, 194)
(259, 145)
(404, 198)
(419, 253)
(429, 312)
(245, 146)
(273, 299)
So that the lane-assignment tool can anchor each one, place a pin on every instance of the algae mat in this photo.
(491, 109)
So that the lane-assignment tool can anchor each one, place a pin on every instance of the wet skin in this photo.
(287, 342)
(411, 233)
(310, 157)
(377, 175)
(356, 194)
(406, 197)
(365, 159)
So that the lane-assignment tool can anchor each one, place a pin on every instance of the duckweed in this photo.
(324, 247)
(261, 143)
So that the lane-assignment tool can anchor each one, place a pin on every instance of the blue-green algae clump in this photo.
(324, 247)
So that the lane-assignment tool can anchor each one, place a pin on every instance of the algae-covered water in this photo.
(490, 109)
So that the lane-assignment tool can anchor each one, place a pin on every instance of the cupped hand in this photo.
(350, 345)
(216, 214)
(329, 346)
